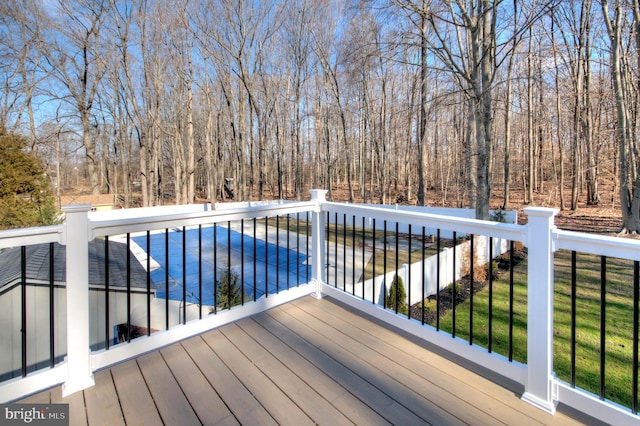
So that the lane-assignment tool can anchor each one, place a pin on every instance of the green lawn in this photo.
(618, 324)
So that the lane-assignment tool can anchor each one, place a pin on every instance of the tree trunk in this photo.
(528, 198)
(629, 188)
(422, 135)
(506, 188)
(90, 153)
(559, 134)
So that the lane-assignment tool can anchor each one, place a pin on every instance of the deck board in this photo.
(201, 395)
(400, 383)
(172, 404)
(396, 401)
(300, 392)
(136, 402)
(329, 389)
(334, 362)
(421, 377)
(306, 362)
(77, 411)
(101, 401)
(275, 401)
(240, 401)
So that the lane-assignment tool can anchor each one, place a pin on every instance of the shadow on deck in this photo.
(306, 362)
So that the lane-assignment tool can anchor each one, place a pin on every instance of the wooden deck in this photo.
(307, 362)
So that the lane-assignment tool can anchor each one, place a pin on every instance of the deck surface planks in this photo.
(306, 362)
(135, 400)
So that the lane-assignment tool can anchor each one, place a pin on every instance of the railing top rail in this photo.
(30, 236)
(507, 231)
(603, 245)
(102, 227)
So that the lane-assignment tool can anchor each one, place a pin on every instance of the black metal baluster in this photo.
(266, 257)
(335, 252)
(288, 252)
(511, 266)
(166, 278)
(396, 278)
(297, 250)
(229, 264)
(199, 271)
(215, 267)
(603, 320)
(438, 280)
(384, 274)
(453, 289)
(409, 277)
(344, 251)
(423, 275)
(353, 255)
(23, 296)
(373, 260)
(327, 258)
(574, 290)
(148, 283)
(128, 287)
(277, 254)
(52, 352)
(242, 262)
(106, 293)
(306, 228)
(471, 262)
(490, 319)
(363, 256)
(184, 275)
(636, 303)
(255, 259)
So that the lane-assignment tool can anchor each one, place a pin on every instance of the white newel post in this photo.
(317, 241)
(539, 386)
(79, 375)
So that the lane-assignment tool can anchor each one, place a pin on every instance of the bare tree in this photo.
(297, 47)
(21, 69)
(77, 55)
(333, 86)
(465, 43)
(626, 95)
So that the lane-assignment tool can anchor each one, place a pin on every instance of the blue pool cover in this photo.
(273, 269)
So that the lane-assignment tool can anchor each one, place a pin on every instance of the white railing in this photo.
(540, 236)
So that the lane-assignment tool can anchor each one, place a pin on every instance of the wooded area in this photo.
(160, 101)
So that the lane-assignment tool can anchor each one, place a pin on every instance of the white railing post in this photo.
(78, 361)
(539, 385)
(317, 241)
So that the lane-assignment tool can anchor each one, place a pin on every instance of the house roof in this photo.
(37, 265)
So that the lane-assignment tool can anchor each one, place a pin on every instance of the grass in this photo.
(515, 345)
(618, 322)
(618, 325)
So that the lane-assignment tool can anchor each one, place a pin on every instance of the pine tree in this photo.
(397, 293)
(26, 198)
(228, 290)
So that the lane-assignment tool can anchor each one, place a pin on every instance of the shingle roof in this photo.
(37, 265)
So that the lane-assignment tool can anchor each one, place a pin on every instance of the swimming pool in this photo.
(271, 269)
